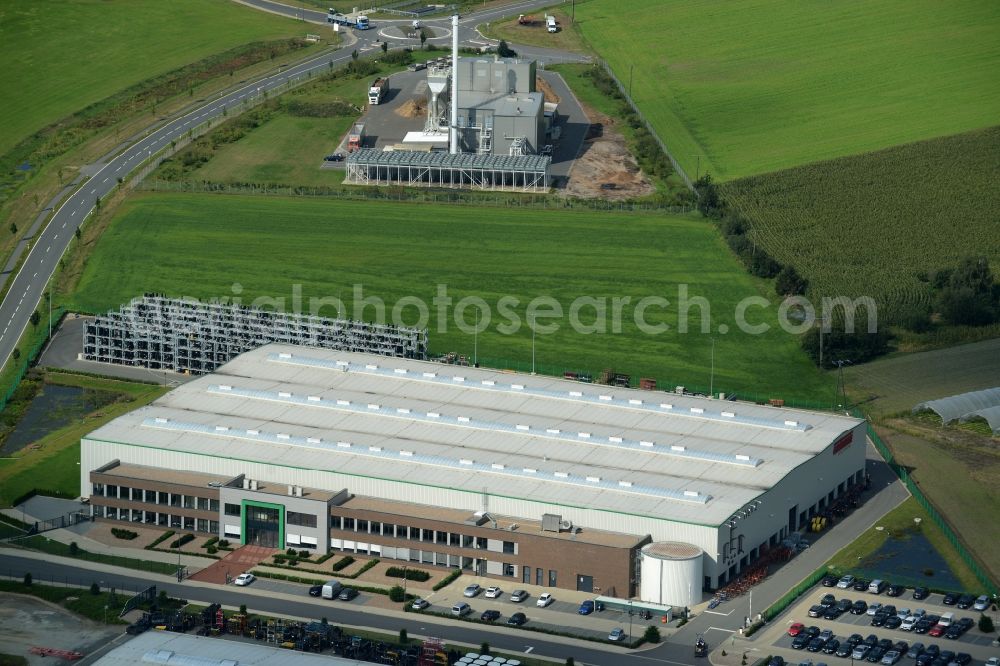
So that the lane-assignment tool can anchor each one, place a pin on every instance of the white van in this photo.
(331, 589)
(550, 24)
(946, 619)
(877, 586)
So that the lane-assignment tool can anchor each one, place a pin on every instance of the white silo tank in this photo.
(671, 573)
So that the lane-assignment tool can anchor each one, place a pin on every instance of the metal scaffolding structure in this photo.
(185, 336)
(528, 173)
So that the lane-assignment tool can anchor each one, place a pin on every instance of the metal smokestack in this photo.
(454, 85)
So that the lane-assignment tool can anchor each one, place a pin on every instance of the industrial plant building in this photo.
(485, 128)
(622, 492)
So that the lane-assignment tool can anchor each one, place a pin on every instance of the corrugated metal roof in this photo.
(165, 647)
(375, 157)
(542, 438)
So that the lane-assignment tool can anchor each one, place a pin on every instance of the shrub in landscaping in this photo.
(396, 593)
(124, 534)
(343, 563)
(304, 554)
(160, 539)
(652, 634)
(27, 580)
(986, 624)
(450, 578)
(180, 541)
(484, 648)
(407, 573)
(212, 550)
(403, 638)
(95, 589)
(74, 549)
(211, 542)
(280, 559)
(224, 543)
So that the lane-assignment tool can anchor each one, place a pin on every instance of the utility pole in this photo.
(475, 342)
(711, 379)
(630, 69)
(532, 345)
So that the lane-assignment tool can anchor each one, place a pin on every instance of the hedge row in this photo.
(450, 578)
(343, 563)
(181, 540)
(163, 537)
(124, 534)
(407, 573)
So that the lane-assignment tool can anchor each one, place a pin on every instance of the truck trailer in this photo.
(378, 89)
(356, 139)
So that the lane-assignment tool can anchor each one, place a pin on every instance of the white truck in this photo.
(550, 24)
(378, 89)
(331, 589)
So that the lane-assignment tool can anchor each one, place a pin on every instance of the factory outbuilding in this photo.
(553, 482)
(499, 110)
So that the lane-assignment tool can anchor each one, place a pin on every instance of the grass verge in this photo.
(43, 544)
(79, 601)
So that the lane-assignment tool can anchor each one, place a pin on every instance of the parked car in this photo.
(871, 640)
(817, 610)
(829, 580)
(812, 631)
(933, 650)
(962, 658)
(244, 579)
(982, 603)
(460, 609)
(861, 584)
(826, 634)
(950, 598)
(920, 593)
(796, 629)
(517, 619)
(831, 646)
(860, 652)
(874, 608)
(776, 661)
(891, 657)
(846, 582)
(895, 590)
(490, 616)
(993, 661)
(859, 607)
(879, 619)
(828, 600)
(875, 654)
(315, 590)
(903, 613)
(908, 623)
(472, 590)
(587, 607)
(617, 634)
(420, 604)
(844, 650)
(924, 659)
(937, 630)
(518, 596)
(816, 644)
(492, 592)
(877, 586)
(801, 641)
(544, 600)
(832, 613)
(336, 157)
(893, 622)
(965, 601)
(915, 650)
(844, 605)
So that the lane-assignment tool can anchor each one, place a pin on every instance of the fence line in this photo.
(946, 529)
(649, 126)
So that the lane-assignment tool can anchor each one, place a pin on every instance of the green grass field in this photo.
(61, 56)
(201, 245)
(869, 224)
(763, 85)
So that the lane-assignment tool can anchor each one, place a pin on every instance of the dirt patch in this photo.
(543, 87)
(412, 108)
(26, 622)
(606, 168)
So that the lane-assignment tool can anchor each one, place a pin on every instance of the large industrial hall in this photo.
(521, 477)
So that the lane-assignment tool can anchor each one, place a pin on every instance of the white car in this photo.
(617, 635)
(493, 592)
(544, 600)
(874, 608)
(518, 596)
(244, 579)
(845, 582)
(472, 590)
(420, 604)
(908, 623)
(982, 603)
(993, 661)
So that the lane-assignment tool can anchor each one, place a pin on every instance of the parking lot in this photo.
(974, 643)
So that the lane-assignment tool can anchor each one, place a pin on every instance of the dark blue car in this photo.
(586, 608)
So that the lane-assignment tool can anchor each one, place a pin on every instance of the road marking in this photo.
(56, 238)
(93, 190)
(718, 613)
(72, 214)
(106, 179)
(48, 248)
(64, 225)
(728, 631)
(529, 649)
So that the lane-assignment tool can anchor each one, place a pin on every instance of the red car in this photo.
(796, 629)
(937, 630)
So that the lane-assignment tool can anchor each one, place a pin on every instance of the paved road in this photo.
(27, 287)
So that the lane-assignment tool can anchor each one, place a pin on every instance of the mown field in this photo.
(202, 245)
(60, 57)
(869, 225)
(764, 85)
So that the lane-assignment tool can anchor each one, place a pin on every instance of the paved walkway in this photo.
(233, 564)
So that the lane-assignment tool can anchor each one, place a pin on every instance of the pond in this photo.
(52, 408)
(909, 559)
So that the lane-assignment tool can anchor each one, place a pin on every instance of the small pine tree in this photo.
(385, 47)
(652, 634)
(13, 228)
(396, 593)
(35, 318)
(95, 589)
(570, 661)
(243, 609)
(484, 648)
(27, 580)
(403, 637)
(986, 624)
(74, 549)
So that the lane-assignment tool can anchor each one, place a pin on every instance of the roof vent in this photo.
(344, 403)
(433, 415)
(646, 444)
(792, 424)
(697, 410)
(625, 484)
(225, 387)
(372, 405)
(284, 355)
(284, 394)
(314, 440)
(313, 398)
(430, 375)
(561, 475)
(497, 466)
(521, 426)
(466, 461)
(594, 479)
(400, 371)
(344, 445)
(407, 454)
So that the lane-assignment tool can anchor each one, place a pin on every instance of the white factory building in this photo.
(539, 480)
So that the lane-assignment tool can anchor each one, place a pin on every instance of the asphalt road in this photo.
(509, 640)
(27, 287)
